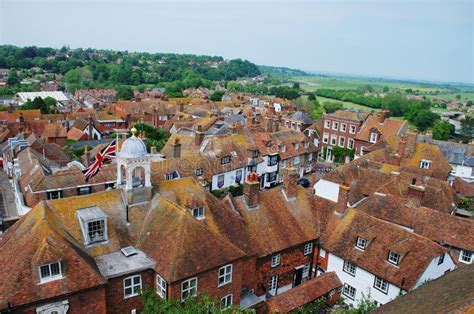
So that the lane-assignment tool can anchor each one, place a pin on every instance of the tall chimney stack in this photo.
(252, 190)
(401, 147)
(268, 124)
(199, 136)
(176, 148)
(343, 199)
(181, 106)
(290, 181)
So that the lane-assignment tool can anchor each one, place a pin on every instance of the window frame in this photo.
(335, 125)
(88, 232)
(81, 189)
(327, 124)
(133, 286)
(463, 254)
(225, 300)
(360, 239)
(389, 258)
(350, 288)
(379, 282)
(276, 260)
(350, 143)
(349, 268)
(343, 141)
(225, 160)
(425, 164)
(161, 286)
(50, 277)
(352, 129)
(343, 127)
(333, 140)
(441, 259)
(373, 137)
(199, 172)
(326, 138)
(189, 288)
(273, 283)
(59, 195)
(308, 248)
(199, 215)
(226, 275)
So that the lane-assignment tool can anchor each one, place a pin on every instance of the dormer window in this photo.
(54, 195)
(50, 272)
(199, 172)
(256, 153)
(425, 164)
(361, 243)
(272, 160)
(283, 149)
(297, 145)
(393, 258)
(93, 223)
(172, 175)
(373, 137)
(225, 160)
(276, 260)
(306, 144)
(198, 213)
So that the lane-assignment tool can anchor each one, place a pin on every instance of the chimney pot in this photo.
(199, 136)
(401, 147)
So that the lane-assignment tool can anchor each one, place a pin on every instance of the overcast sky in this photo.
(419, 39)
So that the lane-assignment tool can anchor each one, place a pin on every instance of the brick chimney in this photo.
(176, 148)
(252, 190)
(416, 193)
(385, 114)
(343, 199)
(181, 106)
(233, 129)
(22, 122)
(276, 123)
(401, 147)
(199, 136)
(290, 180)
(268, 124)
(90, 125)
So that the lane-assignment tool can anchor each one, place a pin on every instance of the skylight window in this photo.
(129, 251)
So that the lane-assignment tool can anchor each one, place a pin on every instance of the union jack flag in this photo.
(106, 155)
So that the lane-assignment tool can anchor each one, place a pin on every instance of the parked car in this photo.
(304, 182)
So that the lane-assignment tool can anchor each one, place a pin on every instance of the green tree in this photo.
(311, 96)
(385, 89)
(124, 92)
(216, 96)
(467, 128)
(296, 85)
(469, 103)
(425, 119)
(155, 137)
(13, 78)
(458, 97)
(50, 102)
(201, 304)
(442, 130)
(332, 106)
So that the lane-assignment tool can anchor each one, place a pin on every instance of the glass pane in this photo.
(55, 269)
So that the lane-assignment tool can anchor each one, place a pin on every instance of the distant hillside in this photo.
(283, 71)
(94, 68)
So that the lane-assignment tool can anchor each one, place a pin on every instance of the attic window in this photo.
(373, 137)
(49, 272)
(283, 149)
(225, 160)
(199, 172)
(361, 243)
(93, 223)
(173, 175)
(233, 153)
(129, 251)
(297, 145)
(198, 213)
(306, 144)
(256, 153)
(425, 164)
(393, 258)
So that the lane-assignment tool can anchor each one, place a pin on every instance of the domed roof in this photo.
(133, 147)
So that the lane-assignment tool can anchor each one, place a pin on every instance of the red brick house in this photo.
(340, 129)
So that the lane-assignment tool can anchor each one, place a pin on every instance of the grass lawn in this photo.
(452, 96)
(346, 104)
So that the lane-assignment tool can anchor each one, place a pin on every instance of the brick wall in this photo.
(92, 301)
(208, 282)
(290, 258)
(31, 199)
(114, 293)
(338, 132)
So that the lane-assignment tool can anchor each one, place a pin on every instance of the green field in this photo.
(346, 104)
(311, 83)
(452, 96)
